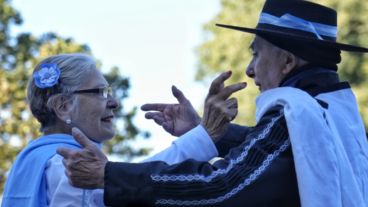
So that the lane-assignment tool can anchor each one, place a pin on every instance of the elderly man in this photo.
(308, 147)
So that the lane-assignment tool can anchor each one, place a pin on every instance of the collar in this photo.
(311, 78)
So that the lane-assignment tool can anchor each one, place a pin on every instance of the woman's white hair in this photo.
(74, 68)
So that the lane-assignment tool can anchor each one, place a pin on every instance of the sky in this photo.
(152, 42)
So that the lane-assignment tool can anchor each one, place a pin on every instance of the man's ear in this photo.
(63, 107)
(291, 62)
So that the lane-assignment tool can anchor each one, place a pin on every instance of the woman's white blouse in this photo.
(60, 193)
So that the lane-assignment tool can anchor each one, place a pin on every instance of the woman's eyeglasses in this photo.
(105, 92)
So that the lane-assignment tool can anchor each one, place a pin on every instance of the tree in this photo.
(227, 49)
(18, 56)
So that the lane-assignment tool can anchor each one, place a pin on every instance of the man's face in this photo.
(266, 65)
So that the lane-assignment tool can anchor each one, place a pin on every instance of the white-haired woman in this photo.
(68, 90)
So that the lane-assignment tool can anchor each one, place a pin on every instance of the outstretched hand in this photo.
(174, 118)
(219, 110)
(85, 168)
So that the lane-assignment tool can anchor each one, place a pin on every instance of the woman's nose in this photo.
(112, 103)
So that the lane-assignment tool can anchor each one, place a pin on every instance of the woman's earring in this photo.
(68, 121)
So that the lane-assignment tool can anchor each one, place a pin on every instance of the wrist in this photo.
(215, 132)
(210, 132)
(101, 178)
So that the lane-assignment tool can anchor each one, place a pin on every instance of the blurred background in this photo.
(144, 47)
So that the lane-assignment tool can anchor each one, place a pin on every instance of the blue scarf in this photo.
(26, 183)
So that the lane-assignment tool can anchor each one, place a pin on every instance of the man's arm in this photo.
(186, 147)
(233, 137)
(258, 172)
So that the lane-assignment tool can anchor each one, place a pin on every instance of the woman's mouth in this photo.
(108, 118)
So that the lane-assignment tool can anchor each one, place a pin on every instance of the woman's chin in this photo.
(102, 137)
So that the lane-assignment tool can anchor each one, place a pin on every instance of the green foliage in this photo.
(18, 56)
(226, 49)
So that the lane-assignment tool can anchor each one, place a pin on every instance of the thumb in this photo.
(64, 152)
(179, 95)
(81, 138)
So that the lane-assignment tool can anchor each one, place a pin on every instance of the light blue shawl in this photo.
(26, 183)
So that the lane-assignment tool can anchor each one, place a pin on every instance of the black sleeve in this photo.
(237, 134)
(233, 137)
(259, 172)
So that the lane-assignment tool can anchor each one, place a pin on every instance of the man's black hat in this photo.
(300, 21)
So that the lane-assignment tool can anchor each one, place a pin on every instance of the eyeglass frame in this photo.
(105, 91)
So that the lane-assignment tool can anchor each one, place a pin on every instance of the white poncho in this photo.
(329, 146)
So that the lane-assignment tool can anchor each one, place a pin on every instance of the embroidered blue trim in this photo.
(234, 191)
(293, 22)
(232, 162)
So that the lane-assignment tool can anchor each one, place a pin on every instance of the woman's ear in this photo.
(63, 106)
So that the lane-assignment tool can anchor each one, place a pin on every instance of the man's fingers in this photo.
(64, 152)
(159, 120)
(229, 90)
(65, 163)
(179, 95)
(152, 115)
(154, 107)
(156, 116)
(81, 138)
(218, 83)
(228, 108)
(231, 113)
(232, 103)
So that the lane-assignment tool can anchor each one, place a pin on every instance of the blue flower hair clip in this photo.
(47, 76)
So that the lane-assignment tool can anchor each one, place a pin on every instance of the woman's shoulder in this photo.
(61, 193)
(54, 172)
(55, 165)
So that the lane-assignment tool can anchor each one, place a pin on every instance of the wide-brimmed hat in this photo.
(300, 21)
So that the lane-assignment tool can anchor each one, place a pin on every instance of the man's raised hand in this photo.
(174, 118)
(219, 109)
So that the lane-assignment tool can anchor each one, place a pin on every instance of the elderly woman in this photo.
(68, 91)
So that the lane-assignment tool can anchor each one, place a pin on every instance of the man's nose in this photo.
(250, 71)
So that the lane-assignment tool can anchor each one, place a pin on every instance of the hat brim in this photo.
(341, 46)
